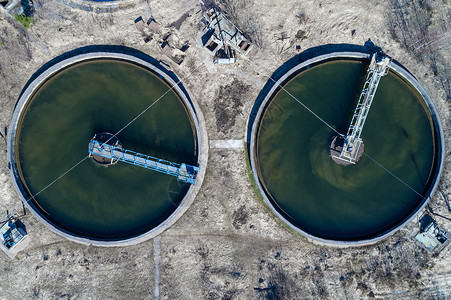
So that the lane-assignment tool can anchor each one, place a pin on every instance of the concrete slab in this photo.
(226, 144)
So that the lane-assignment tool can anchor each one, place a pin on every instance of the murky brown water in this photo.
(344, 202)
(121, 200)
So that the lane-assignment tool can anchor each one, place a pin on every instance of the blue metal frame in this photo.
(183, 172)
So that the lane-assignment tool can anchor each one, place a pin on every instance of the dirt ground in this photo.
(227, 245)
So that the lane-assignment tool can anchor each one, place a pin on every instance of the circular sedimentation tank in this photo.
(340, 204)
(90, 95)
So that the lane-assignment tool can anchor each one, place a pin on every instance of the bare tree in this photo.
(245, 19)
(411, 24)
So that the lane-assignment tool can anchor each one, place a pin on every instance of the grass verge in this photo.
(260, 196)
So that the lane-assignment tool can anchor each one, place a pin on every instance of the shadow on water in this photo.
(369, 47)
(413, 157)
(106, 48)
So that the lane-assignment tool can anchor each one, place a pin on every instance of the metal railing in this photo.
(183, 172)
(378, 68)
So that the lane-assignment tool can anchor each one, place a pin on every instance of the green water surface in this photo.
(344, 202)
(104, 202)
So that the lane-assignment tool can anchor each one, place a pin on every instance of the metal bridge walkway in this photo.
(183, 172)
(351, 148)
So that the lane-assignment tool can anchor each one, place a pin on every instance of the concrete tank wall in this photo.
(191, 105)
(405, 75)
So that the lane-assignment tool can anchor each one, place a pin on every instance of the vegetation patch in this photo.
(24, 20)
(229, 105)
(301, 35)
(422, 30)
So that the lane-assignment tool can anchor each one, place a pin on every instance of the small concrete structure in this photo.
(153, 26)
(139, 24)
(109, 139)
(222, 38)
(226, 144)
(17, 7)
(13, 237)
(336, 148)
(170, 51)
(225, 60)
(166, 49)
(431, 236)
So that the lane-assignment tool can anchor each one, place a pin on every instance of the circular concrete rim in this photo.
(103, 6)
(401, 71)
(201, 134)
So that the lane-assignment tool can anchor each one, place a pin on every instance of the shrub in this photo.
(24, 20)
(301, 35)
